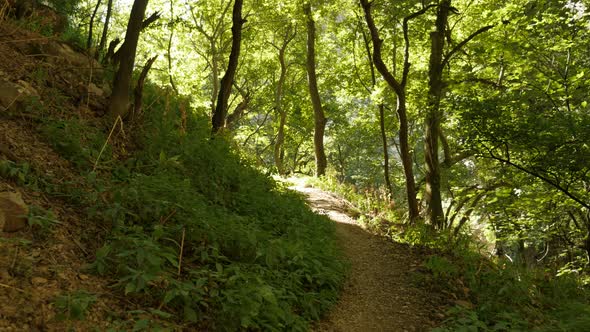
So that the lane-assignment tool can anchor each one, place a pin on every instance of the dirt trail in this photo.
(380, 294)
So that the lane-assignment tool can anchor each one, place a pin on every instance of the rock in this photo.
(13, 212)
(38, 281)
(67, 53)
(12, 95)
(9, 94)
(464, 304)
(93, 89)
(27, 89)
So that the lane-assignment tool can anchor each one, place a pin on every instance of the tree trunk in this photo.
(433, 118)
(172, 24)
(119, 104)
(400, 91)
(279, 153)
(138, 93)
(385, 149)
(381, 115)
(91, 25)
(105, 29)
(319, 117)
(220, 113)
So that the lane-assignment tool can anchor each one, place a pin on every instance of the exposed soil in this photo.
(381, 293)
(38, 267)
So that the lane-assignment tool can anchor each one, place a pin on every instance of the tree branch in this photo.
(541, 177)
(406, 68)
(150, 20)
(464, 42)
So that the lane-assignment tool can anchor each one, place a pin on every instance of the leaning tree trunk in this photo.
(319, 117)
(105, 29)
(138, 92)
(433, 118)
(91, 25)
(400, 90)
(220, 113)
(119, 104)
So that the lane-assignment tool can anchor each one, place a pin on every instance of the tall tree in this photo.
(319, 116)
(220, 113)
(279, 153)
(172, 24)
(381, 107)
(211, 24)
(433, 117)
(438, 61)
(119, 103)
(91, 25)
(399, 87)
(105, 28)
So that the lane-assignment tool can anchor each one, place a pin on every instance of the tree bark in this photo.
(220, 113)
(105, 28)
(171, 27)
(119, 103)
(400, 91)
(433, 117)
(280, 140)
(381, 107)
(138, 93)
(319, 117)
(148, 21)
(91, 25)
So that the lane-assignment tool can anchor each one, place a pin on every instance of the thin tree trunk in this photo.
(138, 93)
(220, 113)
(319, 117)
(400, 91)
(433, 118)
(278, 148)
(105, 28)
(172, 24)
(385, 148)
(91, 25)
(119, 103)
(381, 116)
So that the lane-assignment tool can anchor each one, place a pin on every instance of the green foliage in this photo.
(506, 297)
(74, 305)
(19, 172)
(441, 267)
(75, 140)
(208, 239)
(41, 221)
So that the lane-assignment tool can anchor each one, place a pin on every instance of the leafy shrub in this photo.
(74, 305)
(510, 297)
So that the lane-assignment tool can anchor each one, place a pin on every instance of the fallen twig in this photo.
(12, 287)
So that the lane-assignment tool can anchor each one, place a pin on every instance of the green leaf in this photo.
(129, 288)
(190, 314)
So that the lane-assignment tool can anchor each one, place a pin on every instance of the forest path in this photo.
(380, 294)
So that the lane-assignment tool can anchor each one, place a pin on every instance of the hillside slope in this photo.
(152, 226)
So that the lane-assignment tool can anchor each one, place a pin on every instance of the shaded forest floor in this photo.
(383, 292)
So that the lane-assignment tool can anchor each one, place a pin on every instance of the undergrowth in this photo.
(501, 296)
(377, 210)
(195, 235)
(490, 293)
